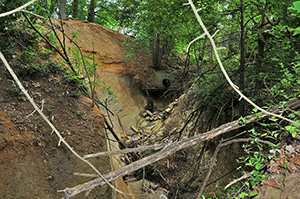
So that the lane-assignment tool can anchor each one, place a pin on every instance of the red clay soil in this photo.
(32, 165)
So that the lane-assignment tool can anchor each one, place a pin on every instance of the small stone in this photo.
(145, 114)
(150, 127)
(168, 110)
(149, 113)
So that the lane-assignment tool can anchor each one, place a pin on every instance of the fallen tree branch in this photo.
(246, 175)
(168, 150)
(127, 150)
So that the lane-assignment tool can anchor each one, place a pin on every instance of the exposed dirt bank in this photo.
(32, 165)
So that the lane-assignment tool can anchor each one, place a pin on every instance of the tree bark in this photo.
(75, 6)
(91, 14)
(157, 53)
(62, 9)
(260, 62)
(242, 61)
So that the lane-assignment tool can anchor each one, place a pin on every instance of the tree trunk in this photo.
(91, 15)
(157, 53)
(62, 9)
(75, 6)
(242, 61)
(260, 63)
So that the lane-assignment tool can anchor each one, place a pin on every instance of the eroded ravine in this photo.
(129, 101)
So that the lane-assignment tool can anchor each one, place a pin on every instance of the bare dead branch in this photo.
(246, 175)
(17, 9)
(49, 43)
(127, 150)
(39, 16)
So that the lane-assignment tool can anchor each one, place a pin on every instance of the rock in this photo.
(149, 113)
(160, 133)
(145, 114)
(150, 127)
(168, 110)
(135, 138)
(153, 186)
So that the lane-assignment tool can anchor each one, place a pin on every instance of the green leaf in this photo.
(284, 165)
(255, 173)
(243, 194)
(254, 193)
(282, 186)
(297, 31)
(288, 128)
(258, 166)
(296, 6)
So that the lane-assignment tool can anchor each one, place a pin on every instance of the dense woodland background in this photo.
(261, 52)
(260, 37)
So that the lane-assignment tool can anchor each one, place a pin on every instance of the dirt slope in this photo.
(31, 163)
(107, 46)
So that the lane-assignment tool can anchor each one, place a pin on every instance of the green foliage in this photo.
(211, 92)
(287, 85)
(17, 90)
(296, 7)
(86, 71)
(8, 22)
(254, 159)
(163, 26)
(293, 129)
(7, 5)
